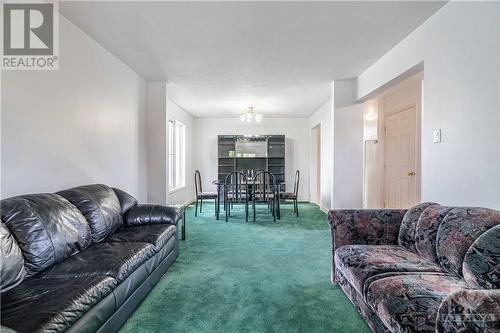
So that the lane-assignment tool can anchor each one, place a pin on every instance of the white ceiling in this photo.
(221, 57)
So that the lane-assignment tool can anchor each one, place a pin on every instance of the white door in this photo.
(400, 162)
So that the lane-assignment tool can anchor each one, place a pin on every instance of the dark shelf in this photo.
(275, 160)
(251, 157)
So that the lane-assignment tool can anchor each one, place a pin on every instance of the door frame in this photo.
(418, 148)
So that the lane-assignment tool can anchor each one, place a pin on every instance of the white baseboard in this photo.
(188, 202)
(321, 207)
(324, 209)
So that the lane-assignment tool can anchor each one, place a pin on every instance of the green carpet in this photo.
(250, 277)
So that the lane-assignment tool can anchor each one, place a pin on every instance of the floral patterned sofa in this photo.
(427, 269)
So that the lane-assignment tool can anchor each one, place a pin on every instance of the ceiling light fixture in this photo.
(251, 115)
(371, 115)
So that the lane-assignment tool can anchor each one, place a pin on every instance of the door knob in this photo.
(411, 173)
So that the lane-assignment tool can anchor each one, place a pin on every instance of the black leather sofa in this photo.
(82, 259)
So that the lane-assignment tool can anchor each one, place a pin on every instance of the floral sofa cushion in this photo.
(426, 231)
(361, 262)
(408, 226)
(410, 303)
(458, 231)
(470, 311)
(481, 266)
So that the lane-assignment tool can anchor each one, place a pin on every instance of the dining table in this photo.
(220, 188)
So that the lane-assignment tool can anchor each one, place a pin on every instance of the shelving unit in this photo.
(274, 161)
(276, 156)
(227, 163)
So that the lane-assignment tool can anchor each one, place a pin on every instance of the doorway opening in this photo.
(315, 189)
(393, 167)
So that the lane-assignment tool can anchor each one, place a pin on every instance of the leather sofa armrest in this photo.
(152, 214)
(365, 226)
(470, 311)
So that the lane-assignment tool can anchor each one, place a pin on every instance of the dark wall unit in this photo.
(251, 153)
(276, 156)
(227, 155)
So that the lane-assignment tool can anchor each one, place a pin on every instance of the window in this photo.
(176, 154)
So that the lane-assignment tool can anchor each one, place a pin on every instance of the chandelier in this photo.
(251, 115)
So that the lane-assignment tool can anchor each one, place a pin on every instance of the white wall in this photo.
(344, 92)
(341, 148)
(315, 165)
(295, 130)
(459, 46)
(156, 142)
(322, 117)
(78, 125)
(348, 157)
(184, 195)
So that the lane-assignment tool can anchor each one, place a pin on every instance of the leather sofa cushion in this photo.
(408, 226)
(52, 305)
(12, 271)
(47, 228)
(362, 264)
(426, 231)
(152, 214)
(481, 266)
(410, 303)
(100, 206)
(156, 234)
(126, 200)
(117, 260)
(458, 231)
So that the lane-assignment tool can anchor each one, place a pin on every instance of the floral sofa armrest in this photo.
(470, 311)
(365, 226)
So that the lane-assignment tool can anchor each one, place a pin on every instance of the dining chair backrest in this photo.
(236, 184)
(197, 182)
(296, 183)
(264, 184)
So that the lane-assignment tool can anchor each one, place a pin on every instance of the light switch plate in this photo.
(437, 136)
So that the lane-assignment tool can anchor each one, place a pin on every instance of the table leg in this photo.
(278, 203)
(218, 201)
(183, 237)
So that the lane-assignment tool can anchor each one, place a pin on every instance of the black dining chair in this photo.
(293, 195)
(236, 191)
(265, 191)
(200, 195)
